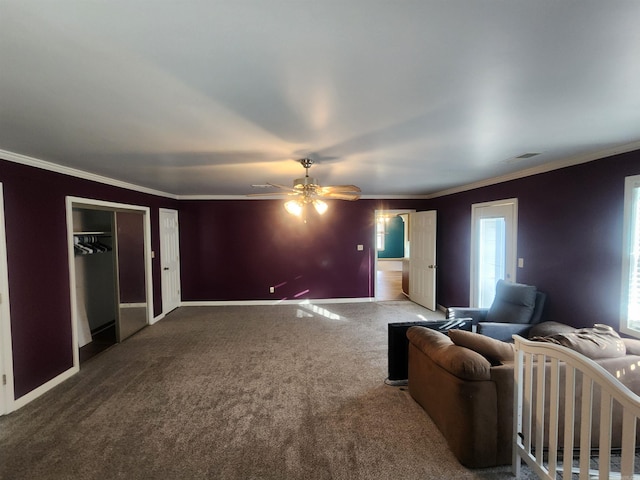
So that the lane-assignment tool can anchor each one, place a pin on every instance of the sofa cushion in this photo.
(545, 329)
(459, 361)
(514, 303)
(493, 350)
(601, 341)
(632, 346)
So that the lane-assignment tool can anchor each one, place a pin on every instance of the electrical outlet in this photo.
(360, 247)
(272, 289)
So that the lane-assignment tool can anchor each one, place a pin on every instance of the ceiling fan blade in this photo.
(282, 187)
(309, 189)
(340, 188)
(272, 194)
(340, 195)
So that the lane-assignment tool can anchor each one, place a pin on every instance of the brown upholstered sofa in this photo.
(468, 390)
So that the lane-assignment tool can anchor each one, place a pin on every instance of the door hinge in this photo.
(4, 379)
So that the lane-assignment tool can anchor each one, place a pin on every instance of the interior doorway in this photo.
(392, 253)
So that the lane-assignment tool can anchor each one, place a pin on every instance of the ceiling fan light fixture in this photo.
(294, 207)
(308, 190)
(320, 206)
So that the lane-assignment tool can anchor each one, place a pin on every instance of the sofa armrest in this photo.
(503, 331)
(475, 314)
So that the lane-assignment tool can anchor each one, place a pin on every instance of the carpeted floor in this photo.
(278, 392)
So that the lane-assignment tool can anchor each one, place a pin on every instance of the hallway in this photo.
(389, 280)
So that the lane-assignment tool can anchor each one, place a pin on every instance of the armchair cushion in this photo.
(504, 331)
(493, 350)
(459, 361)
(513, 303)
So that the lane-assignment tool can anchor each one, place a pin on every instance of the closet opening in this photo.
(110, 273)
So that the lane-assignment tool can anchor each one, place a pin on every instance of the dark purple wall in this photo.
(569, 229)
(236, 250)
(569, 234)
(34, 201)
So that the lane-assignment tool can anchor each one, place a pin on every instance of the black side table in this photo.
(399, 343)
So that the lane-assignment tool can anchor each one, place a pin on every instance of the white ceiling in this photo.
(399, 97)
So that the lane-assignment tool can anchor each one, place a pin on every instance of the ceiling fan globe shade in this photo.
(320, 206)
(294, 207)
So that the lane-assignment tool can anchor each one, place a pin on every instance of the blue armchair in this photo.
(515, 309)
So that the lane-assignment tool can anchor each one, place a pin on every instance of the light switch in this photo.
(521, 263)
(360, 248)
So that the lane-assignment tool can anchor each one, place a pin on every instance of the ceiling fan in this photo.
(307, 191)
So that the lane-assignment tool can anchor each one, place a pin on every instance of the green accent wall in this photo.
(394, 239)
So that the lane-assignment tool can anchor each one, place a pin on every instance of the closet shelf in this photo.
(108, 234)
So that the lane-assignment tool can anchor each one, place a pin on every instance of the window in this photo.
(491, 257)
(630, 305)
(381, 230)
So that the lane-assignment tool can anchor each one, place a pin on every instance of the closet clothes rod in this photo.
(88, 244)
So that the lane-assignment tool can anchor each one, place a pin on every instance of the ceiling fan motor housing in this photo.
(305, 183)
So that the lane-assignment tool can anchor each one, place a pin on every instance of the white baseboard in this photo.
(232, 303)
(42, 389)
(157, 319)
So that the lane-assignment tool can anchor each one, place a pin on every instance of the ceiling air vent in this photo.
(524, 156)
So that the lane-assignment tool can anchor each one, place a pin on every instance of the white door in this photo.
(169, 259)
(493, 248)
(422, 255)
(6, 359)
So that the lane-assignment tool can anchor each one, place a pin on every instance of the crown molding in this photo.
(544, 168)
(74, 172)
(395, 197)
(275, 196)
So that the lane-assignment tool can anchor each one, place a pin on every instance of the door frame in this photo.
(7, 393)
(511, 247)
(166, 310)
(80, 202)
(376, 213)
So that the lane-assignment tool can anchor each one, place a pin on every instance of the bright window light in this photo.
(381, 229)
(630, 304)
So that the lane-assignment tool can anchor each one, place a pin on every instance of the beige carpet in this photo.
(280, 392)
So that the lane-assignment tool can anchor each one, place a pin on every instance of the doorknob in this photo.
(166, 268)
(433, 266)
